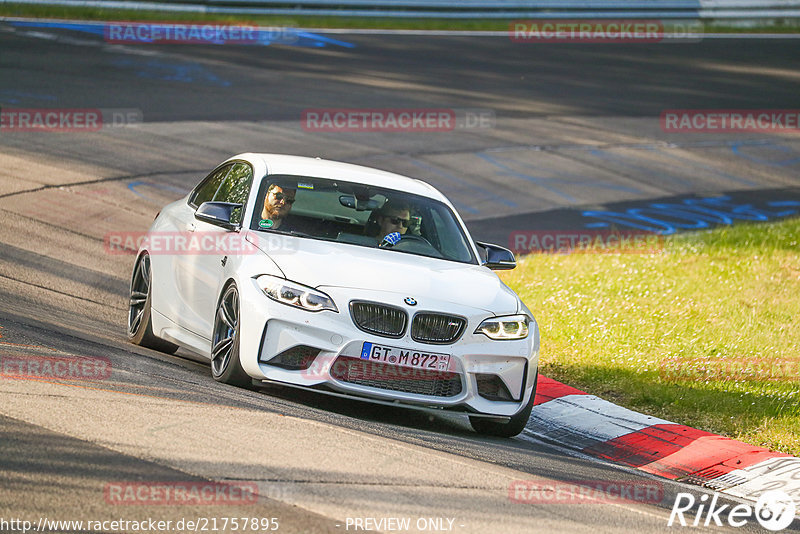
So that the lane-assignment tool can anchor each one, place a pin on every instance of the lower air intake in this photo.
(396, 378)
(296, 358)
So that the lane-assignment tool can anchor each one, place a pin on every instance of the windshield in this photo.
(357, 214)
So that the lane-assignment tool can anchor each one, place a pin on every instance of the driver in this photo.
(277, 205)
(393, 217)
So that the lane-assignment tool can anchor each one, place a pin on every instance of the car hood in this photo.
(322, 264)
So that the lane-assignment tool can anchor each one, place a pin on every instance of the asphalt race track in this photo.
(571, 133)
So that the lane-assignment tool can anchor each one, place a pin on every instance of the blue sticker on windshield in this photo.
(366, 350)
(393, 238)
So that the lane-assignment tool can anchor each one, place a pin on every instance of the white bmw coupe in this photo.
(341, 279)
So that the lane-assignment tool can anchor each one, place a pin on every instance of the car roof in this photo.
(323, 168)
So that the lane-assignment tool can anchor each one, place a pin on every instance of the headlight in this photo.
(508, 327)
(294, 294)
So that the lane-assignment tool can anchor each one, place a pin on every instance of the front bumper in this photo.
(269, 328)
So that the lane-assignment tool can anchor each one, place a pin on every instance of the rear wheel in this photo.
(225, 365)
(512, 427)
(140, 328)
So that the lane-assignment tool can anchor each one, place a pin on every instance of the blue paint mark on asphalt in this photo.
(320, 40)
(633, 221)
(735, 148)
(261, 36)
(690, 214)
(172, 72)
(17, 97)
(94, 29)
(784, 204)
(538, 180)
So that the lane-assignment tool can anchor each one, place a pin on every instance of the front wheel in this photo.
(140, 327)
(512, 427)
(225, 365)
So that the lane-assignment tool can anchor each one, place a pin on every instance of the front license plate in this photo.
(405, 357)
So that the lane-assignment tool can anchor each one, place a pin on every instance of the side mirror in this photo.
(497, 257)
(219, 214)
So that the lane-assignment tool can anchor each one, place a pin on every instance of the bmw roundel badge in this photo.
(410, 301)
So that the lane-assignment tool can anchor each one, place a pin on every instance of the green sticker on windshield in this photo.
(265, 223)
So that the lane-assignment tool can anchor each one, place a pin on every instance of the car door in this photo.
(206, 264)
(182, 224)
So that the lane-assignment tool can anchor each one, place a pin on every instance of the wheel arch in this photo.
(223, 288)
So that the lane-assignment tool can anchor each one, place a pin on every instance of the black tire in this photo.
(140, 328)
(511, 428)
(225, 365)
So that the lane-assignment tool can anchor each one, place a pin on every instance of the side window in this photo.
(235, 188)
(205, 191)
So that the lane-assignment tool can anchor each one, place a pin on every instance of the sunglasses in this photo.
(281, 196)
(398, 220)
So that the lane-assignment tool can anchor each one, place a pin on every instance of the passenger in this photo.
(392, 217)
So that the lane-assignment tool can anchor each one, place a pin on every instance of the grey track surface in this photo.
(576, 126)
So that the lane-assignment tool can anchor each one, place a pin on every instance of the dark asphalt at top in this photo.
(517, 80)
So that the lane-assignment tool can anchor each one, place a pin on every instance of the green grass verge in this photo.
(705, 333)
(89, 13)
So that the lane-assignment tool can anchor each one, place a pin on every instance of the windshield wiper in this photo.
(296, 233)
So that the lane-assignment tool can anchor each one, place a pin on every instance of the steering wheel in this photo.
(419, 245)
(412, 238)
